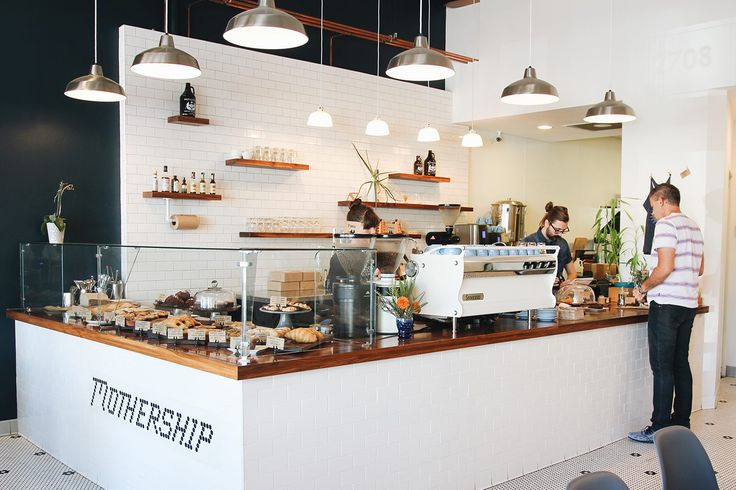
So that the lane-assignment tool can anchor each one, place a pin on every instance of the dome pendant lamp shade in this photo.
(95, 87)
(265, 27)
(166, 62)
(428, 134)
(420, 64)
(610, 111)
(320, 119)
(471, 139)
(530, 90)
(377, 127)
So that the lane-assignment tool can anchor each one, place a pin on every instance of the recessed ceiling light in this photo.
(544, 126)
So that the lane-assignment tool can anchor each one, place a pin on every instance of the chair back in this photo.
(599, 480)
(683, 462)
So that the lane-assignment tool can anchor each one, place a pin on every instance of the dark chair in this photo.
(683, 461)
(599, 480)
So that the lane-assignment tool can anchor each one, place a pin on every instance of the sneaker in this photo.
(644, 435)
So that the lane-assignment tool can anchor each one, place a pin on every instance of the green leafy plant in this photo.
(637, 264)
(376, 181)
(401, 300)
(609, 241)
(56, 218)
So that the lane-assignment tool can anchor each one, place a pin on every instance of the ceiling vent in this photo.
(595, 126)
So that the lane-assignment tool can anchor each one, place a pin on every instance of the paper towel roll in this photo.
(184, 221)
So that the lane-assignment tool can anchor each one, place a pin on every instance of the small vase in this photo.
(55, 235)
(405, 327)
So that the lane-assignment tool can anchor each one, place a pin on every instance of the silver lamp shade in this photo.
(610, 111)
(265, 27)
(165, 61)
(95, 87)
(530, 90)
(420, 64)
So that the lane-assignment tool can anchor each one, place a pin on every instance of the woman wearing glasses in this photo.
(551, 229)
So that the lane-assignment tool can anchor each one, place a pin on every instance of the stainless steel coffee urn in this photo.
(510, 215)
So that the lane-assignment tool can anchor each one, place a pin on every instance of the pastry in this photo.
(304, 335)
(282, 331)
(181, 321)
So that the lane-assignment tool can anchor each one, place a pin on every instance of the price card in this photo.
(80, 311)
(108, 316)
(88, 317)
(197, 334)
(159, 328)
(278, 300)
(275, 342)
(142, 325)
(119, 320)
(235, 342)
(221, 319)
(175, 333)
(217, 336)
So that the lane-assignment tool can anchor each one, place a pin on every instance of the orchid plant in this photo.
(56, 218)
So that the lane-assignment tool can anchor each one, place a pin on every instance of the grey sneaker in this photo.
(644, 435)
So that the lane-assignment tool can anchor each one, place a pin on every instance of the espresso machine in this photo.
(448, 215)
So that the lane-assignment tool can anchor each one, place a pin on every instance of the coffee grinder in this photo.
(448, 215)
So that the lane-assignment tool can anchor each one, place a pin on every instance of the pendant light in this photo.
(530, 90)
(165, 61)
(95, 87)
(428, 134)
(420, 64)
(610, 110)
(471, 139)
(265, 27)
(320, 118)
(377, 127)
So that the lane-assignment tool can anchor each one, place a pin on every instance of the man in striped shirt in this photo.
(672, 291)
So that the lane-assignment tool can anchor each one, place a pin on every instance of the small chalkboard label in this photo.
(217, 336)
(275, 342)
(142, 325)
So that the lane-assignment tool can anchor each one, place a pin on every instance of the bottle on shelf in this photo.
(202, 185)
(165, 180)
(175, 184)
(212, 185)
(430, 164)
(418, 166)
(188, 102)
(193, 184)
(155, 181)
(184, 186)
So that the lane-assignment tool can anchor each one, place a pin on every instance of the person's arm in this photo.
(572, 274)
(665, 266)
(702, 265)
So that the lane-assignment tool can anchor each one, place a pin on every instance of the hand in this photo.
(566, 282)
(639, 296)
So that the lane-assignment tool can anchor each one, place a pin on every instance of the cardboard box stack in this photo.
(295, 283)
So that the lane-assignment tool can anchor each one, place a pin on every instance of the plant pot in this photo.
(55, 235)
(405, 327)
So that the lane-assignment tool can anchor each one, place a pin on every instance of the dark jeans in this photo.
(669, 341)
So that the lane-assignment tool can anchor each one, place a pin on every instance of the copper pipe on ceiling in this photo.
(345, 29)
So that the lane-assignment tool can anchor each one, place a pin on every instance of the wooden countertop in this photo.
(339, 353)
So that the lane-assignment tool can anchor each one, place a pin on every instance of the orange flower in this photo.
(417, 307)
(402, 302)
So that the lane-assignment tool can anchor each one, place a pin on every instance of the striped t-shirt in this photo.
(679, 232)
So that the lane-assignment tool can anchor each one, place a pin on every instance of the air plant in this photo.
(376, 182)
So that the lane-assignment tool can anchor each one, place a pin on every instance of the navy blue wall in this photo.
(46, 137)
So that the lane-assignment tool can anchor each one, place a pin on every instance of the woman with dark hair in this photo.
(361, 220)
(551, 229)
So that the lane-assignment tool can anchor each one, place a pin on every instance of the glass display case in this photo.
(204, 297)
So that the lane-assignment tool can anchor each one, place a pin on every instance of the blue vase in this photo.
(405, 327)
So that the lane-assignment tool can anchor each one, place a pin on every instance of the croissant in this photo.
(303, 335)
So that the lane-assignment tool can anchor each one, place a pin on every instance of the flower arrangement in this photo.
(401, 300)
(56, 218)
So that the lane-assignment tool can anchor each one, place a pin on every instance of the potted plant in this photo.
(54, 224)
(402, 302)
(637, 264)
(609, 240)
(376, 181)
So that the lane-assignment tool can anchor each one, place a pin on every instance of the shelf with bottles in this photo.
(422, 178)
(182, 195)
(400, 205)
(242, 162)
(188, 120)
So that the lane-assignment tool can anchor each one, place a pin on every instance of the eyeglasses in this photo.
(560, 231)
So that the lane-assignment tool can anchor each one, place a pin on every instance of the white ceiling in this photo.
(525, 125)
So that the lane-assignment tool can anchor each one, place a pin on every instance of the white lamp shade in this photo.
(377, 127)
(530, 90)
(320, 119)
(95, 87)
(420, 64)
(265, 27)
(166, 62)
(428, 134)
(471, 139)
(610, 111)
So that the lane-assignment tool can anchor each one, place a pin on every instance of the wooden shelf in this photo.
(400, 205)
(238, 162)
(189, 120)
(263, 234)
(180, 195)
(422, 178)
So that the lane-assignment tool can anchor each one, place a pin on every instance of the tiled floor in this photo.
(24, 466)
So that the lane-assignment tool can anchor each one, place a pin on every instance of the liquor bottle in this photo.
(212, 185)
(155, 181)
(165, 180)
(175, 185)
(193, 184)
(418, 166)
(202, 185)
(188, 102)
(430, 164)
(185, 189)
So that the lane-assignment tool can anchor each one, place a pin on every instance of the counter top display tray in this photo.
(291, 347)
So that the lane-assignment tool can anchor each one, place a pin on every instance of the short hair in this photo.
(669, 192)
(554, 213)
(364, 214)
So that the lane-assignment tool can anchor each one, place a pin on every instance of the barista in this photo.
(361, 219)
(551, 229)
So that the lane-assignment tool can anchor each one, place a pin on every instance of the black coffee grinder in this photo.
(448, 215)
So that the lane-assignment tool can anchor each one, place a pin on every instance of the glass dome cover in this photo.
(214, 298)
(575, 294)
